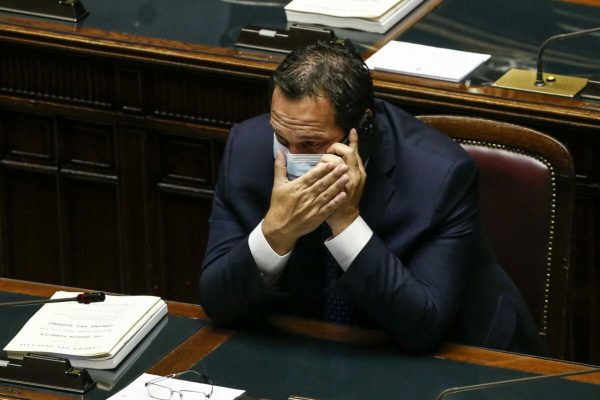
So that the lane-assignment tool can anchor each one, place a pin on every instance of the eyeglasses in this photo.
(163, 392)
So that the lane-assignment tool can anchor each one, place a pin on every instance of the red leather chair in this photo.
(526, 186)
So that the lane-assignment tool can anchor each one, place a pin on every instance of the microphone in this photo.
(539, 77)
(481, 386)
(534, 81)
(84, 298)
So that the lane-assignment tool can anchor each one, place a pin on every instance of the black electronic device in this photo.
(48, 371)
(281, 40)
(66, 10)
(592, 89)
(368, 136)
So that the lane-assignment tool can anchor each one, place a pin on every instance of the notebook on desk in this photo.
(98, 335)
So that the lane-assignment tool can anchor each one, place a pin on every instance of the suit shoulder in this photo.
(250, 136)
(252, 127)
(413, 136)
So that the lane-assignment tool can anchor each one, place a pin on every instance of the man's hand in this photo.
(300, 206)
(348, 211)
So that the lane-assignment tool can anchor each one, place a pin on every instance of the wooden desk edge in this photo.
(209, 338)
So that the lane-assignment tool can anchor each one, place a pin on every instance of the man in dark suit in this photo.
(333, 181)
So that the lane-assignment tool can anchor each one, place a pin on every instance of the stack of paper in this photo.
(426, 61)
(97, 335)
(106, 379)
(371, 16)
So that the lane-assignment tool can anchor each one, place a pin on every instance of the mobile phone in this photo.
(368, 136)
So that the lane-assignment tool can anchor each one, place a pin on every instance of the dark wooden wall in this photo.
(108, 167)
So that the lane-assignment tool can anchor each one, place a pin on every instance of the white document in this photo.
(84, 330)
(366, 15)
(106, 379)
(426, 61)
(129, 342)
(343, 8)
(137, 389)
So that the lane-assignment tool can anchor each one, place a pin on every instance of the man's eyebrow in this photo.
(307, 136)
(311, 137)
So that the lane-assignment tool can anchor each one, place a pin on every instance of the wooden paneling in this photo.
(134, 204)
(28, 197)
(69, 78)
(206, 98)
(585, 290)
(183, 236)
(28, 137)
(185, 171)
(112, 206)
(90, 232)
(31, 244)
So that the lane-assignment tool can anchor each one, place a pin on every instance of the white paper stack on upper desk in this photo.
(365, 15)
(426, 61)
(96, 335)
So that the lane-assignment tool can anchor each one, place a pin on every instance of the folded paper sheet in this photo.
(426, 61)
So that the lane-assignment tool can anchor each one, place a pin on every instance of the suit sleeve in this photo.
(231, 287)
(417, 298)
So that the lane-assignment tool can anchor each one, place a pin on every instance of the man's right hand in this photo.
(300, 206)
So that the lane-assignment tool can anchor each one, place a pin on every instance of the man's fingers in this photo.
(331, 190)
(331, 158)
(333, 204)
(346, 152)
(320, 171)
(280, 174)
(353, 139)
(328, 180)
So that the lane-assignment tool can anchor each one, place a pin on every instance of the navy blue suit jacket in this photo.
(426, 275)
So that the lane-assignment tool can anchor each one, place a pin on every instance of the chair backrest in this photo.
(526, 185)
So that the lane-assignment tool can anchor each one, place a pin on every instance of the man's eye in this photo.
(313, 144)
(281, 140)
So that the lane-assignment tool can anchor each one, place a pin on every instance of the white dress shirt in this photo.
(344, 247)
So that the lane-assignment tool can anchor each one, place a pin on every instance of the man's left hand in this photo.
(348, 211)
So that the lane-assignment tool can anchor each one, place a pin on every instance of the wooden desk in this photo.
(210, 338)
(111, 133)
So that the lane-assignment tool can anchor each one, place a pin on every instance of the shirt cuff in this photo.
(269, 263)
(347, 244)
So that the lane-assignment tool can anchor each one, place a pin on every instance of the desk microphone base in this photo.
(557, 85)
(46, 372)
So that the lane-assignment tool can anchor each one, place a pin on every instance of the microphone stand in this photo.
(84, 298)
(537, 81)
(488, 385)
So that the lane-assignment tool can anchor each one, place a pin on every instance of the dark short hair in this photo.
(332, 70)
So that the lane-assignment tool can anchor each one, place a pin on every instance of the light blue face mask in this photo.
(297, 164)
